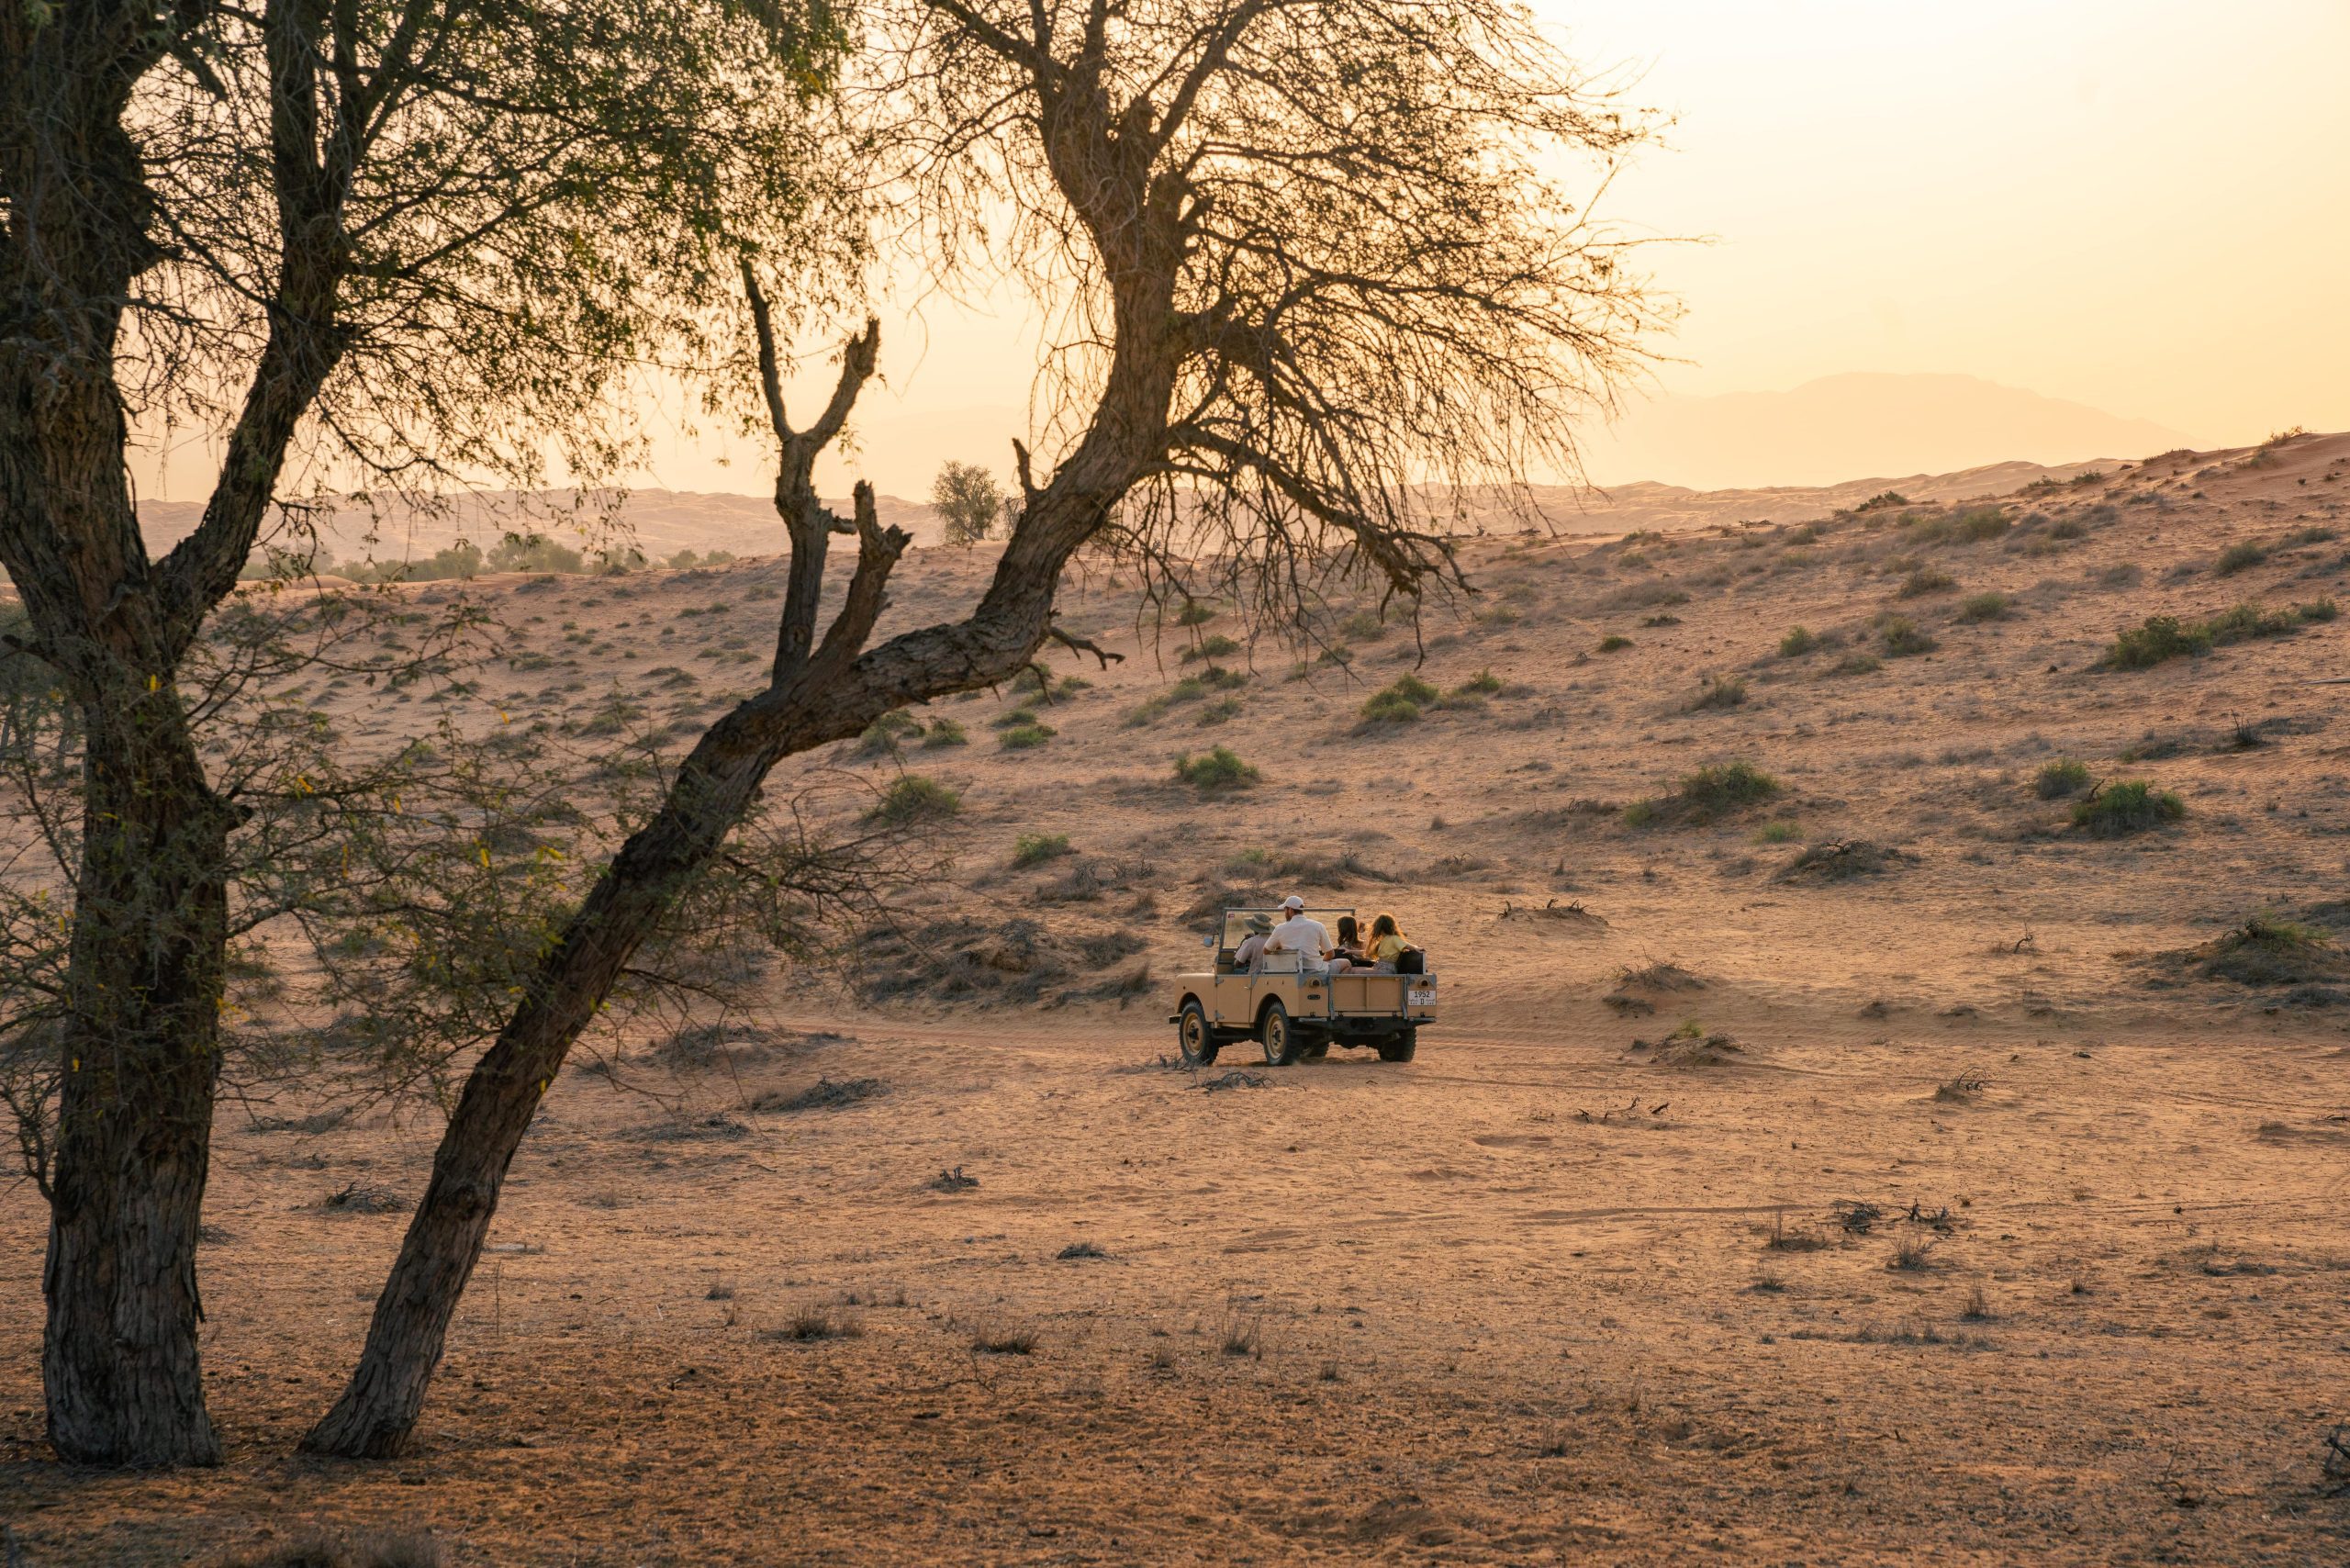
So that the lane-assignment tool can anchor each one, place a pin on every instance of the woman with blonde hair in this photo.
(1387, 945)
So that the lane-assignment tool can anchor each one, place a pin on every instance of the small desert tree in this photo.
(376, 243)
(968, 502)
(1309, 265)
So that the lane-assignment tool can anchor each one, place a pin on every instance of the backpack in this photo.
(1411, 961)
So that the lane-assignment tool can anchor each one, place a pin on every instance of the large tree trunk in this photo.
(120, 1360)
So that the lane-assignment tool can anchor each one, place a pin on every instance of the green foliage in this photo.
(2120, 809)
(1213, 771)
(1196, 612)
(1013, 719)
(2161, 639)
(1215, 677)
(1022, 737)
(880, 737)
(1611, 643)
(1363, 626)
(1884, 501)
(1215, 647)
(967, 500)
(2061, 779)
(1981, 607)
(1707, 795)
(2240, 557)
(1147, 712)
(2317, 609)
(1401, 702)
(1190, 688)
(1798, 642)
(1223, 710)
(1926, 580)
(916, 798)
(1903, 639)
(1777, 833)
(1036, 848)
(944, 731)
(1484, 683)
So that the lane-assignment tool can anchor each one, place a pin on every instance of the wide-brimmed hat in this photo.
(1260, 922)
(1292, 901)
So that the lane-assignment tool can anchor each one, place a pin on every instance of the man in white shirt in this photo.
(1309, 939)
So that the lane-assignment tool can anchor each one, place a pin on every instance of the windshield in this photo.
(1235, 923)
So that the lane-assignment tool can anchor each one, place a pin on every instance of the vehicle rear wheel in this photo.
(1400, 1046)
(1279, 1034)
(1195, 1037)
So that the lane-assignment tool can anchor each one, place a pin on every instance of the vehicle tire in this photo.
(1278, 1036)
(1400, 1046)
(1195, 1036)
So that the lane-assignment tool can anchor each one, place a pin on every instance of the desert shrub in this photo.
(1499, 615)
(1969, 525)
(1903, 639)
(1147, 712)
(1726, 691)
(2242, 622)
(1215, 677)
(1884, 501)
(1024, 737)
(1036, 848)
(2317, 609)
(1363, 626)
(1217, 647)
(1857, 664)
(914, 798)
(2314, 534)
(880, 737)
(1980, 607)
(1213, 770)
(1484, 683)
(2128, 808)
(1653, 621)
(1777, 833)
(944, 731)
(1925, 581)
(2268, 950)
(1195, 613)
(1644, 595)
(1399, 703)
(1702, 797)
(1798, 642)
(1190, 688)
(1611, 643)
(1223, 710)
(2243, 555)
(1014, 719)
(2068, 528)
(2061, 779)
(2162, 638)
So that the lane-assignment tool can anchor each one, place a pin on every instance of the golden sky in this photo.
(2138, 204)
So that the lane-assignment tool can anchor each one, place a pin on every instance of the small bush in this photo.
(2068, 528)
(1798, 642)
(2061, 779)
(1363, 626)
(1215, 770)
(1215, 677)
(1857, 664)
(1980, 607)
(1484, 683)
(1611, 643)
(1036, 848)
(944, 731)
(1777, 833)
(1884, 501)
(1903, 639)
(1023, 714)
(2240, 557)
(2161, 639)
(1223, 710)
(2121, 809)
(1217, 647)
(1195, 613)
(2317, 609)
(1729, 691)
(880, 737)
(914, 798)
(1703, 796)
(1147, 712)
(1024, 737)
(1926, 580)
(1400, 703)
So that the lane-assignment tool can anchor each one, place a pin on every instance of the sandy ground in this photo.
(1979, 1238)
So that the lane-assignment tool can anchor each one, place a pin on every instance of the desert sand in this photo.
(1925, 1201)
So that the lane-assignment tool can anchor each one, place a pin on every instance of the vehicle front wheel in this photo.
(1279, 1034)
(1400, 1046)
(1195, 1037)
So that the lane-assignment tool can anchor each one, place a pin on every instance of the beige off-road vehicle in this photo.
(1297, 1016)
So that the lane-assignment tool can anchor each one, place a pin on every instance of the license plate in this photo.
(1421, 998)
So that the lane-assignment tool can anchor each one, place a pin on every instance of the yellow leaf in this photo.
(484, 856)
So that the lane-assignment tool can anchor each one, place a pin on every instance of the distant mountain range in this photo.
(1825, 431)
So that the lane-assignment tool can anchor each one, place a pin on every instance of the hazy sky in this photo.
(2139, 205)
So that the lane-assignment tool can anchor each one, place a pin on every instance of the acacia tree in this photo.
(1313, 265)
(968, 502)
(387, 242)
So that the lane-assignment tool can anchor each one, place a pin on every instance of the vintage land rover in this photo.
(1297, 1016)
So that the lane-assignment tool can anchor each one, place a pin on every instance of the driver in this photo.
(1309, 939)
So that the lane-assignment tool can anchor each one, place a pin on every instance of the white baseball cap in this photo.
(1292, 901)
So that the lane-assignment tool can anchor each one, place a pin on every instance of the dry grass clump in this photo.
(825, 1095)
(1613, 642)
(2119, 810)
(1635, 987)
(2240, 557)
(815, 1322)
(1716, 692)
(999, 1340)
(2061, 779)
(1979, 608)
(1214, 771)
(1399, 703)
(2269, 952)
(1843, 859)
(1902, 639)
(1705, 795)
(1800, 640)
(914, 798)
(1692, 1045)
(1036, 848)
(1923, 581)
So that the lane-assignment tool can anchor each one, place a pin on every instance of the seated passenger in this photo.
(1348, 954)
(1387, 945)
(1309, 939)
(1252, 946)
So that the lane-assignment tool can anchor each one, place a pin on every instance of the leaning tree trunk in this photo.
(142, 1044)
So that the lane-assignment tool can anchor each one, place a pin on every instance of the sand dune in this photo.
(1993, 1222)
